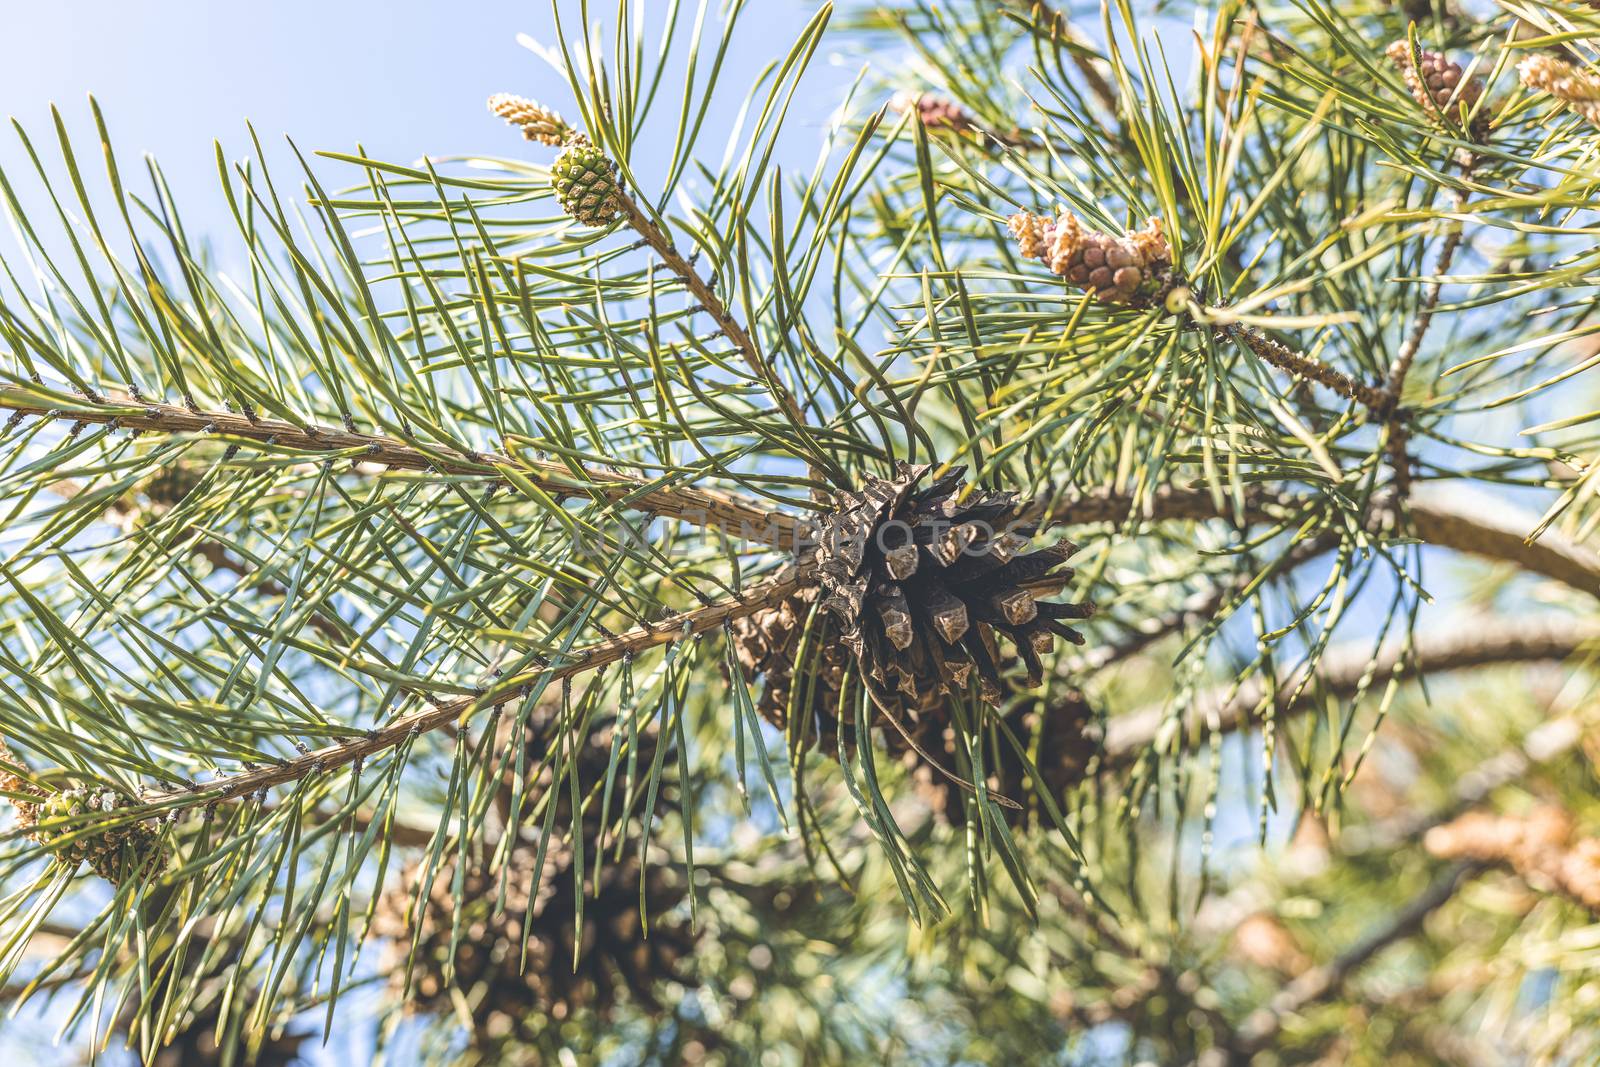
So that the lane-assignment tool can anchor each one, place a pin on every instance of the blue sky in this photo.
(402, 77)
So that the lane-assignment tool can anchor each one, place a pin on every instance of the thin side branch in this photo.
(1399, 436)
(707, 297)
(1430, 302)
(1343, 668)
(739, 516)
(591, 657)
(1283, 357)
(1059, 30)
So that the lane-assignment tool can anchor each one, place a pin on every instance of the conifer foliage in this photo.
(1094, 561)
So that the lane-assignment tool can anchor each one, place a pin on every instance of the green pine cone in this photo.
(116, 854)
(585, 181)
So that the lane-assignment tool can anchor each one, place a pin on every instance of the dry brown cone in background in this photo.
(1061, 735)
(1438, 86)
(615, 960)
(510, 1002)
(1132, 269)
(116, 853)
(767, 645)
(194, 1044)
(939, 113)
(158, 493)
(1577, 88)
(1263, 941)
(1540, 847)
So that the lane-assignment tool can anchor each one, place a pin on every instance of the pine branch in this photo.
(1489, 531)
(1199, 608)
(591, 657)
(1399, 434)
(1283, 357)
(741, 517)
(1321, 983)
(1054, 26)
(1068, 506)
(1547, 742)
(662, 245)
(1479, 525)
(1462, 521)
(1343, 670)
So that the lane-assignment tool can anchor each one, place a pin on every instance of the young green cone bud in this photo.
(1577, 88)
(1119, 270)
(536, 122)
(585, 182)
(116, 853)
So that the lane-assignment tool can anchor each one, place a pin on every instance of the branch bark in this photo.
(591, 657)
(1475, 524)
(739, 516)
(1469, 521)
(1461, 519)
(1285, 358)
(1342, 668)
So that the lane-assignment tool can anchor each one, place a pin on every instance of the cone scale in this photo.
(926, 583)
(585, 183)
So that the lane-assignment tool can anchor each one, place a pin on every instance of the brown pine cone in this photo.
(511, 1002)
(916, 587)
(1437, 85)
(767, 645)
(922, 581)
(936, 112)
(939, 113)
